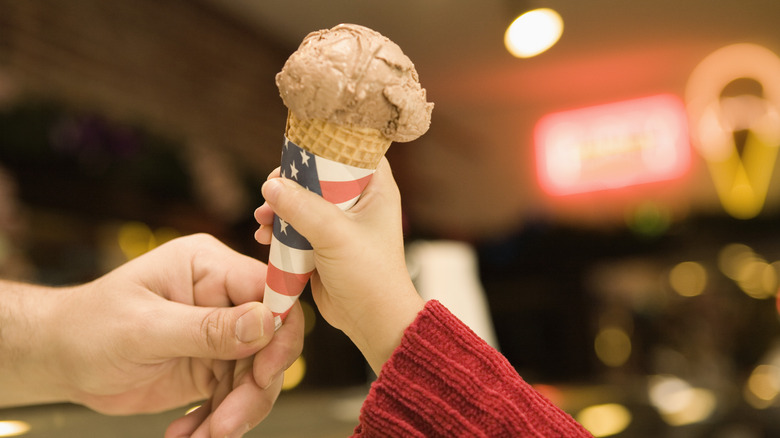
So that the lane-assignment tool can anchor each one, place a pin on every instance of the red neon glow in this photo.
(612, 146)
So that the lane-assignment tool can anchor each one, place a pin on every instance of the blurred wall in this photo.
(176, 66)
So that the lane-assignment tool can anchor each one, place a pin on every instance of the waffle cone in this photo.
(351, 145)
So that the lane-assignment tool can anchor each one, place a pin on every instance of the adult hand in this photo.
(179, 324)
(361, 285)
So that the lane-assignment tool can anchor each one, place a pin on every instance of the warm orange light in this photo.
(678, 402)
(294, 375)
(605, 420)
(612, 146)
(763, 386)
(13, 428)
(613, 346)
(533, 32)
(688, 279)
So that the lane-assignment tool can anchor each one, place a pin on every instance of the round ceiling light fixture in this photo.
(533, 32)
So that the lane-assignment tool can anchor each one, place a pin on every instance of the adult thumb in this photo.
(225, 333)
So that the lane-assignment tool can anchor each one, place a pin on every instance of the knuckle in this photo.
(293, 205)
(214, 331)
(201, 239)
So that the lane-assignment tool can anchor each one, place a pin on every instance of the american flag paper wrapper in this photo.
(291, 257)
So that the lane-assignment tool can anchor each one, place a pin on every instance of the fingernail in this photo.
(249, 326)
(271, 189)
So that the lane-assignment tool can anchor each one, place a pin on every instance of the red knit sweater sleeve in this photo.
(445, 381)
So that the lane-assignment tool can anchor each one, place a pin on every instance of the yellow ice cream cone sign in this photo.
(738, 136)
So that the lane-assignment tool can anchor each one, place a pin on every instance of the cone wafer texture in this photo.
(354, 146)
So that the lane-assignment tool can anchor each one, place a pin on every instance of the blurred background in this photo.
(606, 212)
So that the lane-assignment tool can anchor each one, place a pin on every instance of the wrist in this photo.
(381, 325)
(27, 368)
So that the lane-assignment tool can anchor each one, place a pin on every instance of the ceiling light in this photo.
(13, 428)
(533, 32)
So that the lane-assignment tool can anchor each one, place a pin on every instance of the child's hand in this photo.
(361, 285)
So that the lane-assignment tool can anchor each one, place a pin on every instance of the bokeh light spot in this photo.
(613, 346)
(688, 279)
(294, 375)
(605, 420)
(13, 428)
(533, 32)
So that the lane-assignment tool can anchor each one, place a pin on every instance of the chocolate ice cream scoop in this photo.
(353, 76)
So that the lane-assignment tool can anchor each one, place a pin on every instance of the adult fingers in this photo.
(281, 352)
(227, 333)
(219, 272)
(185, 426)
(245, 407)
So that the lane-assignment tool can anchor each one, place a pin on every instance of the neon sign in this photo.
(612, 146)
(741, 178)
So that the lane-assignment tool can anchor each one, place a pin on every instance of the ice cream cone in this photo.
(351, 145)
(325, 162)
(350, 92)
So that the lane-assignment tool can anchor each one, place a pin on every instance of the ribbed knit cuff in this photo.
(443, 380)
